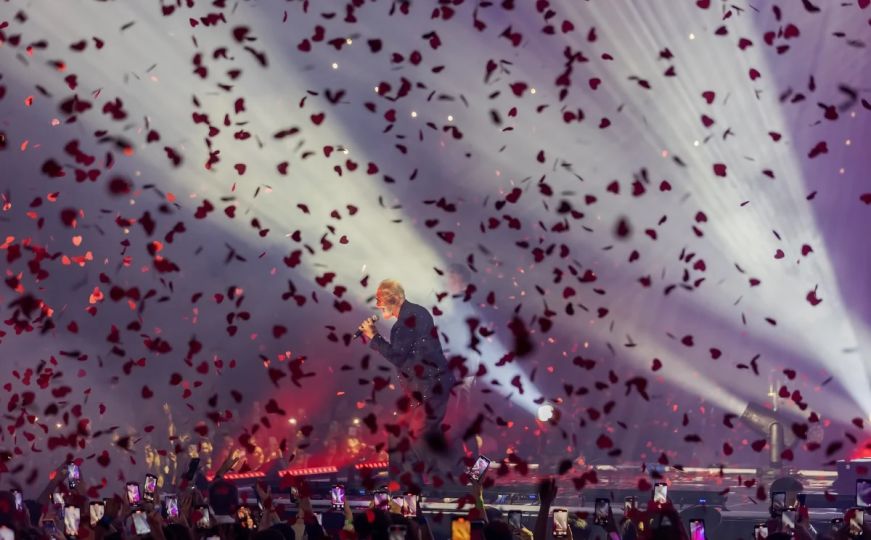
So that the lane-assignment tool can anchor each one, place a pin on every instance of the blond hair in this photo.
(392, 292)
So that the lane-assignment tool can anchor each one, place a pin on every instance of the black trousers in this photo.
(419, 444)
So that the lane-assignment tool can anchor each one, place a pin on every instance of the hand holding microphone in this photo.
(365, 326)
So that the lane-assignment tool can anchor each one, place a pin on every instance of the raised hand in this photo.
(228, 465)
(547, 491)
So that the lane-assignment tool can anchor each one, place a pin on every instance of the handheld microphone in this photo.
(359, 333)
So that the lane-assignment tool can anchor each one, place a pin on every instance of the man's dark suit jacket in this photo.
(416, 351)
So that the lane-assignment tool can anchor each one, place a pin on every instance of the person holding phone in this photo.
(480, 512)
(416, 351)
(662, 519)
(547, 491)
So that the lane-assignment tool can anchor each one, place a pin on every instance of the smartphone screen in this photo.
(863, 492)
(150, 487)
(19, 500)
(6, 533)
(204, 522)
(787, 518)
(72, 517)
(628, 504)
(479, 469)
(140, 523)
(760, 530)
(560, 522)
(697, 529)
(461, 529)
(73, 475)
(171, 504)
(857, 521)
(660, 493)
(778, 501)
(380, 498)
(245, 518)
(399, 501)
(337, 496)
(515, 519)
(602, 510)
(411, 503)
(96, 511)
(134, 495)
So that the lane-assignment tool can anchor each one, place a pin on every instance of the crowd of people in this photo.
(199, 510)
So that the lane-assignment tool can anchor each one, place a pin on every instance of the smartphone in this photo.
(411, 503)
(58, 498)
(857, 521)
(863, 492)
(461, 529)
(399, 501)
(134, 495)
(602, 510)
(778, 502)
(660, 492)
(560, 522)
(397, 532)
(170, 504)
(6, 533)
(204, 522)
(96, 511)
(479, 469)
(760, 530)
(193, 467)
(787, 518)
(140, 523)
(337, 497)
(380, 498)
(697, 529)
(150, 487)
(629, 503)
(245, 518)
(73, 475)
(515, 519)
(72, 519)
(19, 500)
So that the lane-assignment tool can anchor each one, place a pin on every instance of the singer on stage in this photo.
(416, 351)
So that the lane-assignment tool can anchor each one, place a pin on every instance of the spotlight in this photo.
(545, 413)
